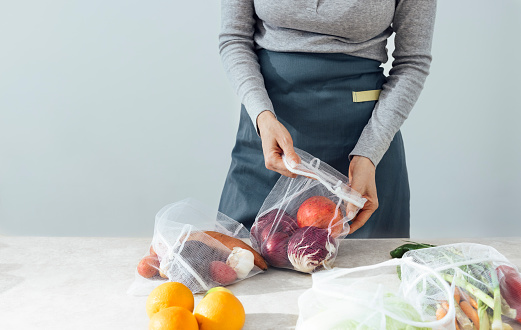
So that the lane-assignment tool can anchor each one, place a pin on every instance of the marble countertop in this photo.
(81, 282)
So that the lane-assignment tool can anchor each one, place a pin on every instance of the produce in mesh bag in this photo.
(487, 286)
(198, 248)
(372, 297)
(458, 286)
(302, 219)
(311, 247)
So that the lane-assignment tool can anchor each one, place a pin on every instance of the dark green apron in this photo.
(312, 97)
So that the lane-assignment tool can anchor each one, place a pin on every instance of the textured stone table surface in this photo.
(81, 283)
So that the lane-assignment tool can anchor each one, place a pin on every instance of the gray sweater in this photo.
(354, 27)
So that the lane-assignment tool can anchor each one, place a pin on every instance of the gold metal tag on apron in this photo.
(365, 96)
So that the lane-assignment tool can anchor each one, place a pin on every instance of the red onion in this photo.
(275, 249)
(274, 221)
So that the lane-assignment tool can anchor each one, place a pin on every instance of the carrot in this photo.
(462, 318)
(445, 307)
(440, 312)
(230, 243)
(457, 296)
(457, 324)
(469, 299)
(473, 303)
(470, 312)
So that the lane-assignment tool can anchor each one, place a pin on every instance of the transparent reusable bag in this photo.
(302, 219)
(184, 250)
(373, 297)
(433, 288)
(487, 283)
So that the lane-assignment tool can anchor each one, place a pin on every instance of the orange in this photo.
(220, 310)
(173, 318)
(167, 295)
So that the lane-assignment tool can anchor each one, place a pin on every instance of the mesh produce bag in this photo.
(488, 285)
(197, 247)
(373, 297)
(302, 219)
(467, 284)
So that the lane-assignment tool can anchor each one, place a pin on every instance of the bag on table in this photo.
(189, 247)
(477, 271)
(373, 297)
(430, 288)
(302, 219)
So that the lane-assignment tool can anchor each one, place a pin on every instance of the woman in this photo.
(308, 74)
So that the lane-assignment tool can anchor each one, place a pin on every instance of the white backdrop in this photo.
(110, 110)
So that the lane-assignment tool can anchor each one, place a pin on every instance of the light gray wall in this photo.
(111, 109)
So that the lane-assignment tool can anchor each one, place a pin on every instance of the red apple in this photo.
(321, 212)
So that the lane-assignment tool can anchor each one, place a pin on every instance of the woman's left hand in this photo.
(362, 179)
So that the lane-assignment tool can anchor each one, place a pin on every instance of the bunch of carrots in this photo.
(483, 292)
(470, 314)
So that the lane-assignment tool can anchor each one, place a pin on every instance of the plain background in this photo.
(110, 110)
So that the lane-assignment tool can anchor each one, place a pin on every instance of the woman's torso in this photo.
(355, 27)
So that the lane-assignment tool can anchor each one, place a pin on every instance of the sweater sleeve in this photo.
(237, 50)
(413, 24)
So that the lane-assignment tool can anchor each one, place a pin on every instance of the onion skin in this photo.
(285, 224)
(310, 248)
(274, 221)
(275, 250)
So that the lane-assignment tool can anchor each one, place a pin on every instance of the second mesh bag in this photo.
(487, 283)
(373, 297)
(302, 219)
(197, 247)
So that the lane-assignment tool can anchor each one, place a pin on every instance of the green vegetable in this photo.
(400, 251)
(496, 317)
(350, 324)
(350, 317)
(459, 281)
(479, 294)
(400, 307)
(484, 321)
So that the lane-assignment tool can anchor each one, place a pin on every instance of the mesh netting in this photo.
(188, 252)
(467, 285)
(302, 219)
(373, 297)
(476, 271)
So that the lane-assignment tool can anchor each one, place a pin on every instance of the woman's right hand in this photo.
(276, 141)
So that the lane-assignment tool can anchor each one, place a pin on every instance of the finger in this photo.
(286, 144)
(276, 164)
(351, 210)
(360, 220)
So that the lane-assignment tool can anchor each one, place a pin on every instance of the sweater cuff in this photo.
(254, 107)
(375, 156)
